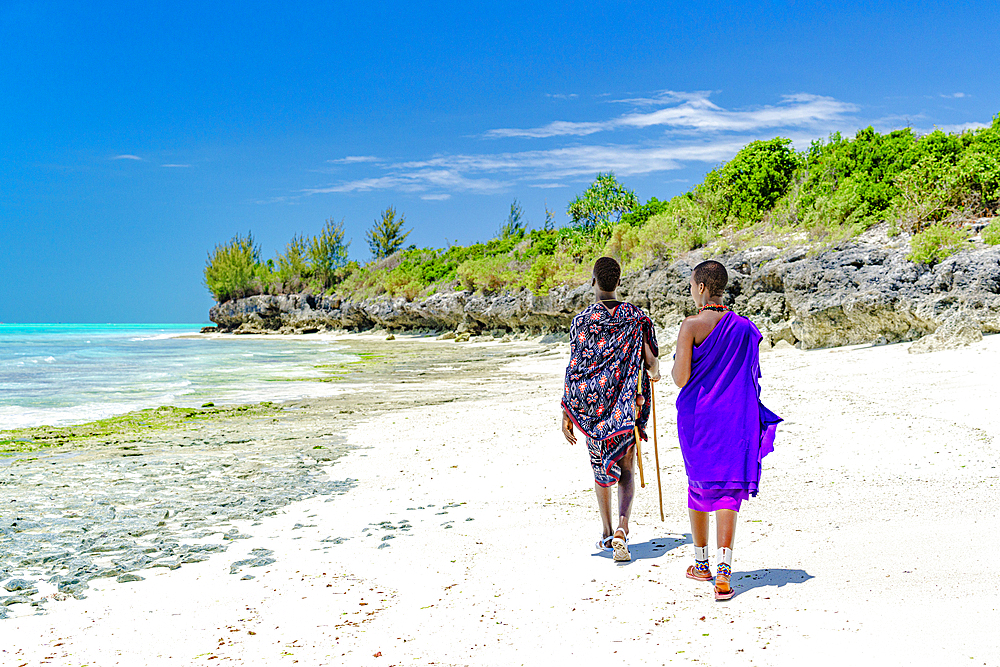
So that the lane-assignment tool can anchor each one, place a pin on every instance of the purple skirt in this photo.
(709, 500)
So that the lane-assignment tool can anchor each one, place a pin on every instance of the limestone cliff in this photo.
(861, 291)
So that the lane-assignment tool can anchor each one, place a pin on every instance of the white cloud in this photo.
(175, 165)
(695, 111)
(127, 157)
(355, 159)
(417, 180)
(666, 131)
(955, 95)
(562, 96)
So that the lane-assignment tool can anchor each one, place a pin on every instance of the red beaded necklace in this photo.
(717, 307)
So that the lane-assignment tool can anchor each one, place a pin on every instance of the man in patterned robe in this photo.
(610, 344)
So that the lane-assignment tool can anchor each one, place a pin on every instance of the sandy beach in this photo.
(461, 529)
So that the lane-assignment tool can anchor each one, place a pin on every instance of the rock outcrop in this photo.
(861, 291)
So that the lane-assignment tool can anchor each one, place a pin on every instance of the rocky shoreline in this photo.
(860, 291)
(95, 505)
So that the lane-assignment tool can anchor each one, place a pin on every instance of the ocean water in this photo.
(60, 374)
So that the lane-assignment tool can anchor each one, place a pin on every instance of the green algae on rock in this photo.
(127, 427)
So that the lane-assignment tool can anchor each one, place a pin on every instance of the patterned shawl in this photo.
(605, 360)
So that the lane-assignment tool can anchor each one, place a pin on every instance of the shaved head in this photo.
(608, 273)
(712, 275)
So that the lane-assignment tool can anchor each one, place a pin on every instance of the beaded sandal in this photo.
(723, 591)
(699, 571)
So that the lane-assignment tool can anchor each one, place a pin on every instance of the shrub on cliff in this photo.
(851, 182)
(745, 188)
(991, 232)
(953, 177)
(936, 243)
(233, 269)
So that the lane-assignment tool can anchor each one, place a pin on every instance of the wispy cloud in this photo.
(127, 157)
(417, 179)
(955, 96)
(668, 130)
(562, 96)
(694, 111)
(355, 159)
(175, 165)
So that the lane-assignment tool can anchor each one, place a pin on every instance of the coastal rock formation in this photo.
(860, 291)
(956, 332)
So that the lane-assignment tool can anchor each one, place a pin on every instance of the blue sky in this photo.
(135, 138)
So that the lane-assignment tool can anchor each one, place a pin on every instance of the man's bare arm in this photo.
(652, 362)
(681, 372)
(567, 429)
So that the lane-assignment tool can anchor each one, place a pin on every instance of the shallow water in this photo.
(71, 373)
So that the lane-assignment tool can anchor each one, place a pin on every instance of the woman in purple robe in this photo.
(723, 427)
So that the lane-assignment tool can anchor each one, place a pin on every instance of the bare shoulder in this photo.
(702, 324)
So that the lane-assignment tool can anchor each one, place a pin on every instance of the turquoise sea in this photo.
(72, 373)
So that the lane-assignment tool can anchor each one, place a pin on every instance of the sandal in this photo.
(620, 547)
(604, 544)
(699, 571)
(725, 591)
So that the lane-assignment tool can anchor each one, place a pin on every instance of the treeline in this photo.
(928, 186)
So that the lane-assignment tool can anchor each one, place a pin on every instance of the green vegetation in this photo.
(515, 225)
(928, 186)
(124, 428)
(991, 233)
(935, 243)
(386, 235)
(604, 202)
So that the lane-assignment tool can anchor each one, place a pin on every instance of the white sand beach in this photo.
(873, 540)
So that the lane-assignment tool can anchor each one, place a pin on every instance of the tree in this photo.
(293, 268)
(328, 252)
(232, 270)
(515, 225)
(606, 200)
(550, 219)
(386, 235)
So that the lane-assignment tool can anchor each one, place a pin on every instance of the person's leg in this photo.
(604, 505)
(725, 528)
(596, 451)
(699, 535)
(699, 527)
(626, 488)
(725, 537)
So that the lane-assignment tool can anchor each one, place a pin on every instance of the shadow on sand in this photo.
(744, 582)
(651, 548)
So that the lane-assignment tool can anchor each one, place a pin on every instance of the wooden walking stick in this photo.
(656, 449)
(635, 421)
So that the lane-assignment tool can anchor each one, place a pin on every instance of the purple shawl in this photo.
(723, 427)
(603, 371)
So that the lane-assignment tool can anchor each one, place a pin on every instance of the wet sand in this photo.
(465, 531)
